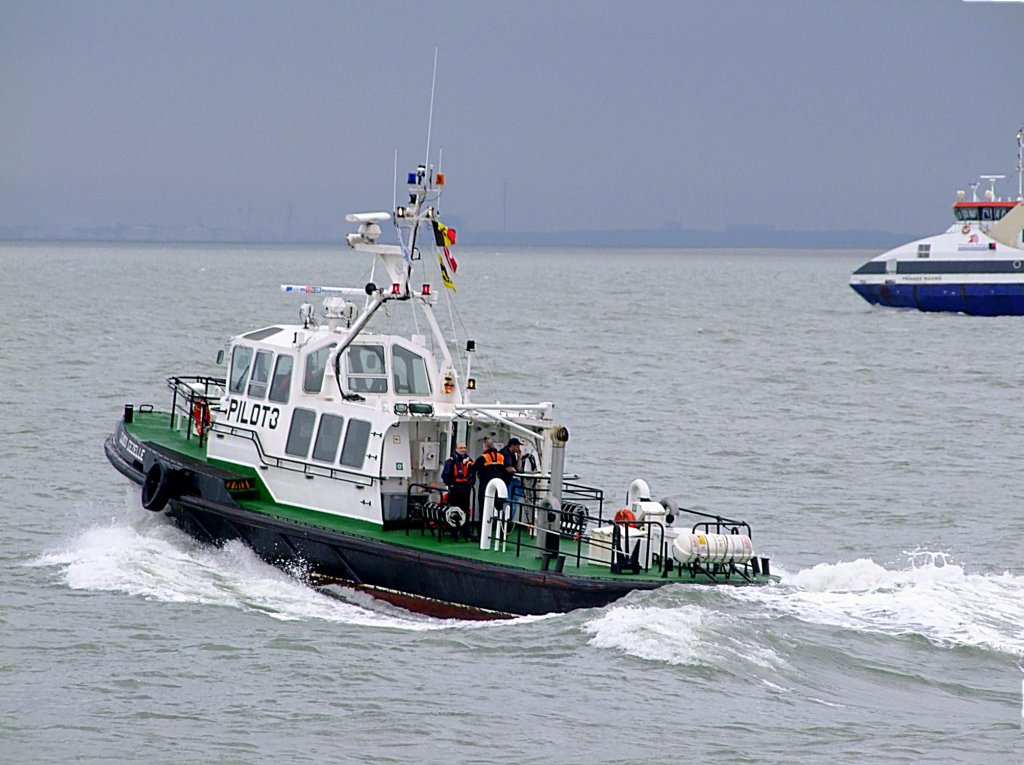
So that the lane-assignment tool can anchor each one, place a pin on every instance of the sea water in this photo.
(876, 454)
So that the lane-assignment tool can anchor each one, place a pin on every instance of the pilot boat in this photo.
(975, 267)
(324, 447)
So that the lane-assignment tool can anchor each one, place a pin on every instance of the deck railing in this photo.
(193, 397)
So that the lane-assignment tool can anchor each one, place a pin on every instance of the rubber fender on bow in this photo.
(156, 489)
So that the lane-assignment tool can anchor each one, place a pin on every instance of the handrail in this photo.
(298, 466)
(187, 388)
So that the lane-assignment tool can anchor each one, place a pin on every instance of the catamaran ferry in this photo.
(975, 267)
(324, 450)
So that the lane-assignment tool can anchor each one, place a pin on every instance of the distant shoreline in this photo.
(743, 237)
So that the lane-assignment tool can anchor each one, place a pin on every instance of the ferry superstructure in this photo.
(974, 267)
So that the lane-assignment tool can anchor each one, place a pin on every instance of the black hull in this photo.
(439, 585)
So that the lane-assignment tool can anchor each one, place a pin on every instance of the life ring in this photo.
(156, 489)
(625, 516)
(201, 417)
(965, 229)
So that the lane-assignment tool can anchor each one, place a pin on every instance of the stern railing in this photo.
(192, 398)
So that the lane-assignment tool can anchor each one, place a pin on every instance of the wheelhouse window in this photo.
(327, 438)
(300, 433)
(316, 365)
(357, 437)
(924, 250)
(241, 359)
(261, 374)
(366, 372)
(409, 372)
(282, 379)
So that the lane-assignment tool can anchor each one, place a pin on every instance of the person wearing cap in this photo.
(512, 454)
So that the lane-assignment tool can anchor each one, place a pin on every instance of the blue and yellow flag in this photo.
(444, 274)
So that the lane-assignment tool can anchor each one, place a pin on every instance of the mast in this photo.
(1020, 164)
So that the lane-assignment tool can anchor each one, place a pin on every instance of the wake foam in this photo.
(688, 634)
(933, 597)
(162, 564)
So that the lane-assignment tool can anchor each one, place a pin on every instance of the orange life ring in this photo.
(201, 416)
(625, 515)
(965, 229)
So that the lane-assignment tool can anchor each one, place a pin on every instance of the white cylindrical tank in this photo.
(712, 548)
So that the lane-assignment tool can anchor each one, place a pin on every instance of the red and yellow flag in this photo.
(444, 238)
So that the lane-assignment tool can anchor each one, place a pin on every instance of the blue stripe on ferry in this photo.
(946, 267)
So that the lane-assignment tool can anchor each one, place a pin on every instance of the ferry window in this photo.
(986, 213)
(959, 213)
(971, 213)
(366, 373)
(261, 374)
(282, 379)
(410, 372)
(924, 250)
(316, 365)
(356, 439)
(300, 433)
(327, 438)
(241, 357)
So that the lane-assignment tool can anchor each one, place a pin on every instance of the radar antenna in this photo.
(990, 195)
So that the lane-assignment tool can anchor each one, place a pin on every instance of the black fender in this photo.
(156, 489)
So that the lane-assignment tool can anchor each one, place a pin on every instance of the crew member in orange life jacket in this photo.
(458, 477)
(490, 464)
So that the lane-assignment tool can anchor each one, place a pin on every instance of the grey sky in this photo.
(592, 115)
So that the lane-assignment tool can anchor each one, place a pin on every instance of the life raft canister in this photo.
(201, 416)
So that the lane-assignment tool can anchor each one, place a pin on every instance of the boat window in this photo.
(263, 334)
(986, 213)
(357, 437)
(409, 371)
(970, 213)
(924, 250)
(261, 374)
(240, 360)
(300, 433)
(282, 379)
(366, 372)
(316, 365)
(327, 438)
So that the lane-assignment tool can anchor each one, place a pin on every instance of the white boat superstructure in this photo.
(976, 266)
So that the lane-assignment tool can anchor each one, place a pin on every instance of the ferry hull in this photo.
(416, 580)
(971, 299)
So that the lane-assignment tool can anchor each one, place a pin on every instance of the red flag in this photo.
(444, 237)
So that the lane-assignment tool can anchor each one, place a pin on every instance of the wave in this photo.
(688, 634)
(162, 564)
(141, 555)
(933, 597)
